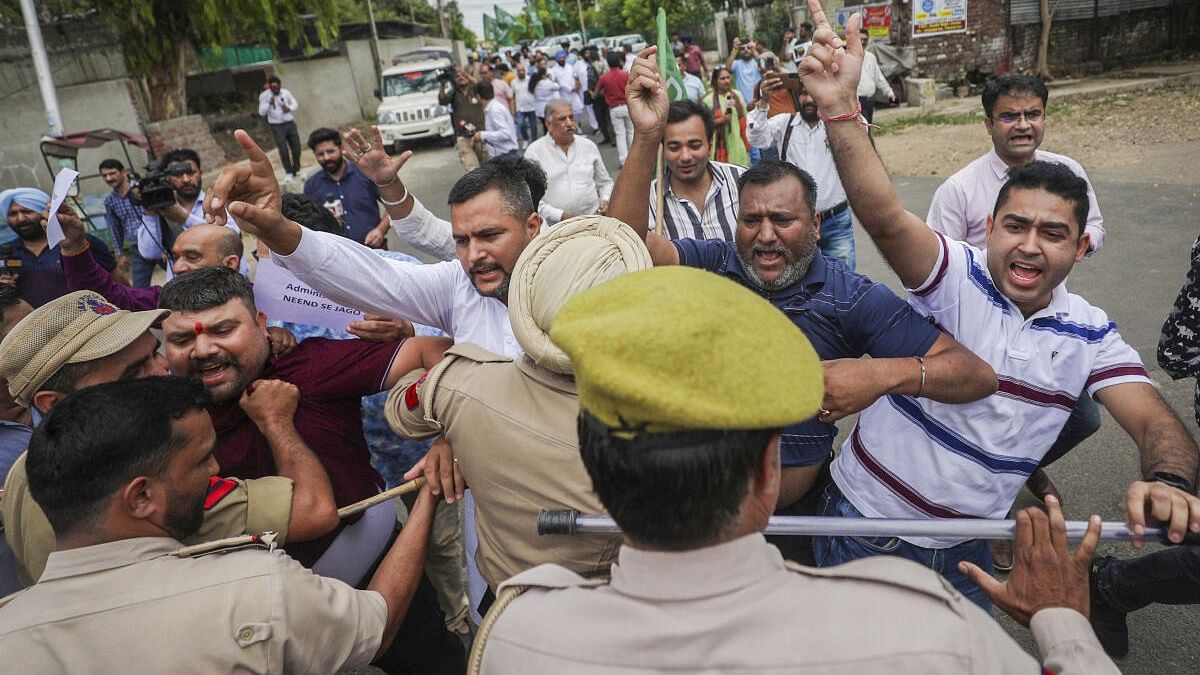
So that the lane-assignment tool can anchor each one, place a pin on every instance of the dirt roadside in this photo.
(1151, 135)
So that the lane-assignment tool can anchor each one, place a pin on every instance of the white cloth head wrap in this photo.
(570, 258)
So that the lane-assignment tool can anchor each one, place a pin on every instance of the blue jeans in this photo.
(527, 123)
(141, 268)
(837, 237)
(830, 551)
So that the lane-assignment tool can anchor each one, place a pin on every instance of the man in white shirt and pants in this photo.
(276, 105)
(500, 134)
(578, 183)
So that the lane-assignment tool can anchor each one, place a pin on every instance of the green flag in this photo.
(503, 19)
(556, 12)
(490, 30)
(533, 20)
(666, 61)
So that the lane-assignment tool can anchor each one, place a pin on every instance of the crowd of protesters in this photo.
(670, 349)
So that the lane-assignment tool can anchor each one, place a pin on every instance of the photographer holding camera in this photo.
(28, 261)
(164, 222)
(466, 114)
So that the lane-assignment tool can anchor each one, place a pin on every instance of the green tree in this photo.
(458, 27)
(157, 37)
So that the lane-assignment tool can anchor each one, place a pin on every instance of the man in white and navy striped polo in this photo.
(911, 457)
(701, 195)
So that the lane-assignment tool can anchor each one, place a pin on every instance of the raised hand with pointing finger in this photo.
(251, 193)
(831, 68)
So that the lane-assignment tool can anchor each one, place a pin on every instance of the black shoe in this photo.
(1107, 622)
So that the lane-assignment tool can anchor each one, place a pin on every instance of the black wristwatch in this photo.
(1173, 480)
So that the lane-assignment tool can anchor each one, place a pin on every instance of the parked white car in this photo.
(633, 39)
(550, 45)
(409, 108)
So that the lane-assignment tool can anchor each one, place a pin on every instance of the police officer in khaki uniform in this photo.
(684, 380)
(80, 340)
(511, 426)
(122, 471)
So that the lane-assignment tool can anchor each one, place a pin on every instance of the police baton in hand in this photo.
(402, 489)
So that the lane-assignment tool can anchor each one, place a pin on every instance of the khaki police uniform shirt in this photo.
(513, 429)
(233, 507)
(738, 608)
(131, 606)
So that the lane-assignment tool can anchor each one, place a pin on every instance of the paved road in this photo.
(1151, 222)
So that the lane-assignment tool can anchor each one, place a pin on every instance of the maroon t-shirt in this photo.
(333, 376)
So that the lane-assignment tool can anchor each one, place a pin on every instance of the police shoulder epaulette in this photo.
(542, 576)
(463, 350)
(265, 540)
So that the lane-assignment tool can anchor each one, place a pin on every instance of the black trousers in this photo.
(422, 645)
(287, 139)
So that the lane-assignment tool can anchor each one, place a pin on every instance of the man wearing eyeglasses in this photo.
(1015, 108)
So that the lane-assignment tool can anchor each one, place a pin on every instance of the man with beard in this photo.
(345, 191)
(800, 139)
(79, 341)
(29, 262)
(701, 195)
(124, 472)
(493, 218)
(161, 228)
(845, 315)
(915, 458)
(215, 334)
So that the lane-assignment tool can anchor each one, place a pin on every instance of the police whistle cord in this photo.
(401, 489)
(572, 522)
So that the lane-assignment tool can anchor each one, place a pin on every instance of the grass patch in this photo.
(895, 126)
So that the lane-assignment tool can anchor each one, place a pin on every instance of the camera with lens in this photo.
(446, 74)
(10, 262)
(466, 129)
(153, 192)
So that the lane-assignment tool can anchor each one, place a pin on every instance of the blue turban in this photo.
(560, 54)
(31, 198)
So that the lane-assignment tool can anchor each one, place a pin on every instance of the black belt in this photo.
(834, 212)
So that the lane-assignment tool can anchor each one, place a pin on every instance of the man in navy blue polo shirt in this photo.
(345, 191)
(29, 262)
(844, 314)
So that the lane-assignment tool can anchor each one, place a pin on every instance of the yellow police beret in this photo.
(676, 349)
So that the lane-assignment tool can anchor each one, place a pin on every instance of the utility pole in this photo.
(375, 46)
(582, 28)
(442, 20)
(41, 67)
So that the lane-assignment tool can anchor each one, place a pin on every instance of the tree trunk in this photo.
(165, 84)
(1043, 57)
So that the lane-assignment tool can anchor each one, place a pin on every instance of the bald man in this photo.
(196, 247)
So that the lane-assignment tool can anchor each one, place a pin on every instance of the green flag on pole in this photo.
(503, 19)
(534, 21)
(666, 61)
(556, 12)
(490, 30)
